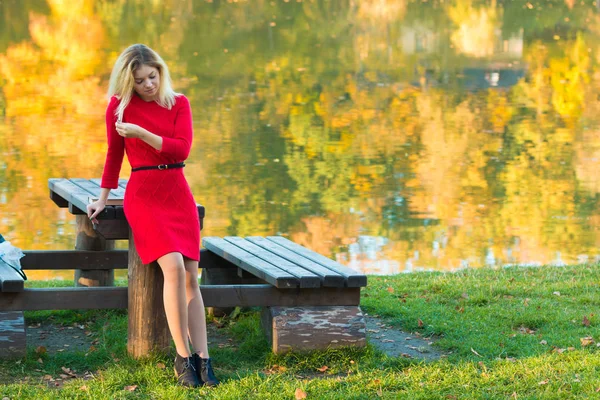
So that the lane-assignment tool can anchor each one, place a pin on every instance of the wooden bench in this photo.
(317, 299)
(308, 300)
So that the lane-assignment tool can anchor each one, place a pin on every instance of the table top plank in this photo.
(251, 263)
(118, 193)
(74, 193)
(353, 278)
(328, 277)
(307, 278)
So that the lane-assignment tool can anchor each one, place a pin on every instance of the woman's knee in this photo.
(172, 266)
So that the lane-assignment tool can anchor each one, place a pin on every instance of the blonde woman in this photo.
(153, 124)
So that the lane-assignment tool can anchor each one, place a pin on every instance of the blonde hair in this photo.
(122, 79)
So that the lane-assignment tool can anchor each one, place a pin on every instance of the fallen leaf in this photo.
(40, 360)
(586, 341)
(68, 371)
(543, 382)
(300, 394)
(64, 376)
(420, 323)
(376, 381)
(41, 350)
(379, 392)
(476, 353)
(130, 388)
(390, 289)
(161, 365)
(514, 395)
(556, 293)
(323, 368)
(48, 377)
(543, 342)
(571, 348)
(586, 321)
(84, 388)
(465, 295)
(526, 302)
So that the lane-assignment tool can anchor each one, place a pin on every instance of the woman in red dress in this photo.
(153, 124)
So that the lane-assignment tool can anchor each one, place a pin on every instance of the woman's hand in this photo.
(129, 131)
(93, 209)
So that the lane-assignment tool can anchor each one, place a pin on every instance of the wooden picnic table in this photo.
(147, 320)
(309, 301)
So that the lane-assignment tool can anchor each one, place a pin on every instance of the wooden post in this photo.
(147, 330)
(88, 239)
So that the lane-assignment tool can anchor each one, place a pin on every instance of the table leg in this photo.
(147, 330)
(88, 239)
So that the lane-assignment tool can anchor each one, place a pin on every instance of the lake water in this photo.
(390, 135)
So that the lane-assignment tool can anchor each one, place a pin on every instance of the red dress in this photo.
(158, 204)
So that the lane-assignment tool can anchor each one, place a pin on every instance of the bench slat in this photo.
(248, 262)
(307, 278)
(94, 189)
(353, 278)
(328, 277)
(118, 193)
(79, 298)
(10, 280)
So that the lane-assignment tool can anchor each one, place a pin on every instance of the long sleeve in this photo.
(178, 147)
(116, 148)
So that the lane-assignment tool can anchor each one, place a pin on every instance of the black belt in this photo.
(161, 167)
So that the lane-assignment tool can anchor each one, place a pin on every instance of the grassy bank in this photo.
(519, 333)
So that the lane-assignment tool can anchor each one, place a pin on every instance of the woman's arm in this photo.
(177, 147)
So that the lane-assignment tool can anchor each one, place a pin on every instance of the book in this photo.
(109, 201)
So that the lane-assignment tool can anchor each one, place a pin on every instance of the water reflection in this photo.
(391, 135)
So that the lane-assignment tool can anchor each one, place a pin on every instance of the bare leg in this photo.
(174, 299)
(196, 313)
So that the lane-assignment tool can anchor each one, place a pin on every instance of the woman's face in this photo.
(146, 82)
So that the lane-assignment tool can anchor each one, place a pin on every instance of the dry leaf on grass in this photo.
(586, 321)
(390, 289)
(323, 368)
(476, 353)
(586, 341)
(41, 350)
(161, 365)
(130, 388)
(300, 394)
(420, 323)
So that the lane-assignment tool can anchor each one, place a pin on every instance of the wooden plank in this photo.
(353, 278)
(118, 193)
(113, 229)
(306, 278)
(95, 190)
(10, 280)
(251, 263)
(328, 277)
(13, 340)
(73, 259)
(74, 298)
(109, 259)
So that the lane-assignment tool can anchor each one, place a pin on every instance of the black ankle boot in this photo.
(204, 371)
(185, 371)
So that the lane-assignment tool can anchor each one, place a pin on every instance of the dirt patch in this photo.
(397, 343)
(58, 338)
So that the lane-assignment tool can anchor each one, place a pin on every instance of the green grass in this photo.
(510, 333)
